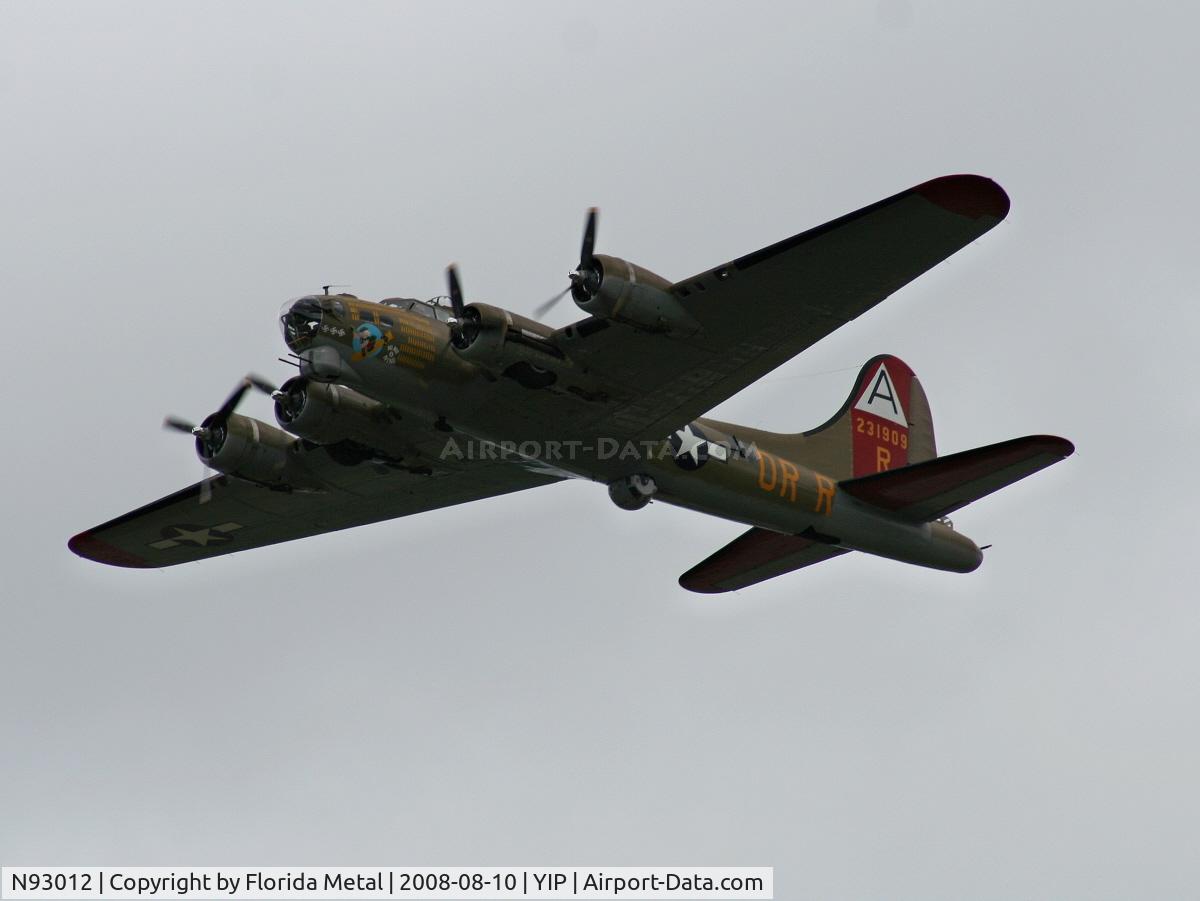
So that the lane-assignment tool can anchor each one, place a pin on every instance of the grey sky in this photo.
(173, 172)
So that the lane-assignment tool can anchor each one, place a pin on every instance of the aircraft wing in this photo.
(762, 309)
(238, 515)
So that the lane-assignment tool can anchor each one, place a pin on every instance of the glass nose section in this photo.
(300, 320)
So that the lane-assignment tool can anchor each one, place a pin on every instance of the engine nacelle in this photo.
(622, 291)
(328, 414)
(248, 449)
(500, 340)
(483, 334)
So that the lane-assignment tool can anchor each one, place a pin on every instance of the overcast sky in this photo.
(521, 681)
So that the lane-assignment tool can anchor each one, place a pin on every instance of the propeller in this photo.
(585, 279)
(204, 446)
(291, 402)
(589, 239)
(543, 308)
(210, 434)
(463, 326)
(182, 425)
(456, 301)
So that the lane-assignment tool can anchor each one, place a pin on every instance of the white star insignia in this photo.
(200, 537)
(689, 444)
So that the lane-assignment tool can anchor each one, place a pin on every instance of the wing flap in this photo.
(937, 487)
(755, 556)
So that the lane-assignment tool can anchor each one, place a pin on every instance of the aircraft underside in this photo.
(402, 406)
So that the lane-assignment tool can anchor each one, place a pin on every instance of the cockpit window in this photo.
(364, 315)
(429, 309)
(300, 320)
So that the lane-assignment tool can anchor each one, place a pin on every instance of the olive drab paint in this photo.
(402, 406)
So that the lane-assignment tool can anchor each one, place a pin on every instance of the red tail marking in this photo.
(879, 418)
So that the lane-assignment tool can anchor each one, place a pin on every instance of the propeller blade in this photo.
(210, 435)
(226, 409)
(585, 280)
(589, 240)
(261, 384)
(542, 309)
(456, 300)
(180, 425)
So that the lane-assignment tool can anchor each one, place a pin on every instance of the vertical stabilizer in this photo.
(884, 424)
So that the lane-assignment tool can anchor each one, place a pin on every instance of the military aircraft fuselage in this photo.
(401, 354)
(404, 406)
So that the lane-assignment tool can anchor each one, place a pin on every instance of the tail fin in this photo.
(884, 424)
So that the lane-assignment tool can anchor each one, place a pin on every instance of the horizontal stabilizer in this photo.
(755, 556)
(925, 491)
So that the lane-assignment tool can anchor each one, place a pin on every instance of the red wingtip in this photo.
(971, 196)
(85, 544)
(1055, 445)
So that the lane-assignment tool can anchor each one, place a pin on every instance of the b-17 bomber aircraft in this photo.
(401, 406)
